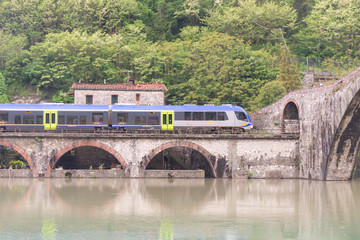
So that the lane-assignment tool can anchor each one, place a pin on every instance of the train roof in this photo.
(53, 106)
(176, 108)
(88, 107)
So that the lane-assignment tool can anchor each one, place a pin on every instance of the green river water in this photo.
(178, 209)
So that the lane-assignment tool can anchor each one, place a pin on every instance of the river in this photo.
(178, 209)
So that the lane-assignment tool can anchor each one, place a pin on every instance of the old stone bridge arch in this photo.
(290, 117)
(344, 151)
(210, 159)
(89, 143)
(23, 154)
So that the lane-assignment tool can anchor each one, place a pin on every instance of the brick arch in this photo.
(209, 158)
(290, 105)
(23, 154)
(70, 147)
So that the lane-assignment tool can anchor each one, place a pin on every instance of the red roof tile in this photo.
(120, 86)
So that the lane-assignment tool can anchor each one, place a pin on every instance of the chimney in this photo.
(131, 81)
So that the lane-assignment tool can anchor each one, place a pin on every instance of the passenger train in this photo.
(67, 117)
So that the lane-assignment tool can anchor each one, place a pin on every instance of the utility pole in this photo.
(279, 47)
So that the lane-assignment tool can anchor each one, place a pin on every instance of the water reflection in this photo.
(178, 209)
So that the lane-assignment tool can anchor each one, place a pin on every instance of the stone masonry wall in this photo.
(103, 97)
(228, 155)
(320, 112)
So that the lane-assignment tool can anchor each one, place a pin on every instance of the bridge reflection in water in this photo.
(178, 209)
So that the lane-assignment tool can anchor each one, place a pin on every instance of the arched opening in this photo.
(14, 157)
(291, 112)
(9, 158)
(290, 119)
(87, 155)
(181, 156)
(344, 156)
(87, 158)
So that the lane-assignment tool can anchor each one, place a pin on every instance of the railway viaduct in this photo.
(328, 121)
(315, 134)
(226, 155)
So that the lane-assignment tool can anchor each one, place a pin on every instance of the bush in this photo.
(17, 164)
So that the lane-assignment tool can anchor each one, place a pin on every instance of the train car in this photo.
(43, 117)
(169, 118)
(71, 117)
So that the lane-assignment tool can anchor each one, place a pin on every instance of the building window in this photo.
(138, 98)
(114, 99)
(89, 99)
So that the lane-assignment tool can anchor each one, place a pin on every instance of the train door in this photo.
(50, 119)
(167, 120)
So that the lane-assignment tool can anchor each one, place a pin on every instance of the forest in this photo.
(244, 52)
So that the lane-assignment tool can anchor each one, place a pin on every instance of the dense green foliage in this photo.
(205, 51)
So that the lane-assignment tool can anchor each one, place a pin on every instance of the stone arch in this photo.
(345, 146)
(211, 160)
(290, 111)
(23, 154)
(70, 147)
(290, 118)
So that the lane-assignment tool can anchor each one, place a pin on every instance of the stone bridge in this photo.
(328, 121)
(225, 155)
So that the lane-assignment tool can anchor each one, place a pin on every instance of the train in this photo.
(74, 117)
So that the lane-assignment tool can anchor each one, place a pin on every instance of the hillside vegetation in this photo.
(205, 51)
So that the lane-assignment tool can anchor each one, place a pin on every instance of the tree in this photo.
(269, 93)
(246, 18)
(289, 75)
(3, 90)
(217, 68)
(66, 57)
(331, 29)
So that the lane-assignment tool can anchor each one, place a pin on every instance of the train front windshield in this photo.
(241, 116)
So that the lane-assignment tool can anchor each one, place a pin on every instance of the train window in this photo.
(47, 120)
(140, 120)
(39, 119)
(61, 119)
(179, 116)
(82, 120)
(210, 116)
(164, 119)
(198, 116)
(222, 116)
(53, 118)
(17, 119)
(122, 117)
(28, 119)
(71, 120)
(4, 117)
(98, 117)
(170, 119)
(241, 116)
(153, 120)
(188, 116)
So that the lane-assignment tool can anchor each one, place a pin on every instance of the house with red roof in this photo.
(129, 93)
